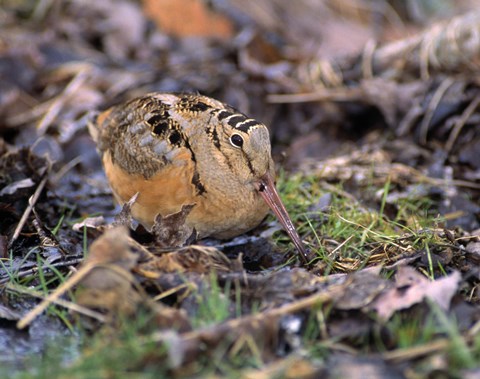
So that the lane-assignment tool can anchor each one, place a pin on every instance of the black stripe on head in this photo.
(247, 125)
(237, 119)
(223, 114)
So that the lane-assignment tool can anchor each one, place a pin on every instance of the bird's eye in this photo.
(236, 140)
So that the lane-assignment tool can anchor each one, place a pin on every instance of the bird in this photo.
(176, 149)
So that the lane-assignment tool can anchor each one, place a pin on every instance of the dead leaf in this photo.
(188, 18)
(342, 365)
(89, 222)
(171, 230)
(291, 367)
(473, 251)
(105, 278)
(124, 217)
(412, 288)
(7, 313)
(12, 188)
(126, 28)
(361, 287)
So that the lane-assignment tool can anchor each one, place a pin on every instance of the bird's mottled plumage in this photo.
(176, 149)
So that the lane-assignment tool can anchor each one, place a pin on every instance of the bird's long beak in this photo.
(267, 189)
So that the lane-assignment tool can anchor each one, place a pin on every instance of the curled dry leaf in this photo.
(412, 288)
(188, 18)
(7, 313)
(89, 222)
(171, 230)
(19, 184)
(125, 216)
(473, 252)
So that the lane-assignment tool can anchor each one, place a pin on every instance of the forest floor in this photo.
(377, 148)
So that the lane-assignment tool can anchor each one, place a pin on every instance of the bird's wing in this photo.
(141, 135)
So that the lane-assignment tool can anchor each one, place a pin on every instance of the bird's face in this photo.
(248, 154)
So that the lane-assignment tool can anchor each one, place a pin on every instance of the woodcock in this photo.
(178, 149)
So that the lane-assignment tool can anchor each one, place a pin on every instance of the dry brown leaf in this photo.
(188, 18)
(171, 230)
(341, 365)
(361, 287)
(7, 313)
(124, 217)
(412, 288)
(126, 27)
(96, 222)
(19, 184)
(473, 251)
(290, 367)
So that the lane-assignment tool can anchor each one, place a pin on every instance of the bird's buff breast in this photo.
(216, 214)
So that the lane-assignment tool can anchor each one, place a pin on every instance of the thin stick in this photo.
(416, 351)
(31, 203)
(432, 106)
(333, 94)
(63, 303)
(29, 272)
(53, 297)
(74, 280)
(56, 106)
(64, 169)
(299, 305)
(461, 122)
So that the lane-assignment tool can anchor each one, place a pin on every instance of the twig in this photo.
(56, 106)
(63, 303)
(461, 122)
(31, 203)
(416, 351)
(64, 287)
(171, 291)
(30, 272)
(253, 319)
(432, 106)
(65, 168)
(53, 297)
(446, 47)
(367, 59)
(324, 94)
(341, 245)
